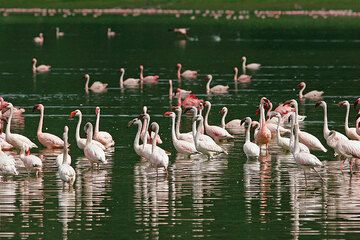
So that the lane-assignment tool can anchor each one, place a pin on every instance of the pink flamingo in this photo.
(216, 89)
(242, 78)
(145, 129)
(251, 66)
(148, 79)
(217, 133)
(234, 126)
(58, 33)
(61, 159)
(182, 31)
(96, 87)
(312, 95)
(39, 39)
(187, 74)
(48, 140)
(110, 33)
(158, 157)
(350, 132)
(31, 162)
(190, 101)
(250, 149)
(16, 109)
(92, 151)
(263, 137)
(103, 137)
(40, 68)
(7, 164)
(130, 82)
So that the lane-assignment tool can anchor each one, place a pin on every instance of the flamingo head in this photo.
(257, 111)
(243, 58)
(291, 103)
(145, 109)
(122, 70)
(255, 124)
(178, 65)
(343, 103)
(97, 110)
(208, 77)
(38, 107)
(246, 120)
(88, 126)
(133, 121)
(86, 77)
(74, 113)
(177, 109)
(169, 114)
(224, 110)
(274, 114)
(4, 105)
(236, 69)
(154, 127)
(320, 104)
(41, 35)
(301, 85)
(356, 102)
(34, 60)
(141, 67)
(207, 103)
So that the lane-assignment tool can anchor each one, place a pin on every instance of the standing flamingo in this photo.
(31, 162)
(251, 66)
(182, 136)
(81, 142)
(234, 126)
(130, 82)
(96, 87)
(215, 89)
(58, 33)
(103, 137)
(92, 151)
(244, 78)
(7, 164)
(143, 150)
(40, 68)
(144, 130)
(16, 140)
(187, 74)
(46, 139)
(158, 157)
(66, 171)
(350, 132)
(148, 79)
(39, 39)
(263, 137)
(216, 132)
(250, 149)
(110, 33)
(61, 159)
(312, 95)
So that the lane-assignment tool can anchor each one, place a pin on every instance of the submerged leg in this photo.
(319, 175)
(351, 165)
(305, 178)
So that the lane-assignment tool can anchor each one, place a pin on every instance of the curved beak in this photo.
(317, 104)
(356, 102)
(34, 108)
(130, 123)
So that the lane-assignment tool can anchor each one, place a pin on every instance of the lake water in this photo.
(226, 197)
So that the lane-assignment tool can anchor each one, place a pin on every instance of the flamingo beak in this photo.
(257, 112)
(317, 104)
(340, 103)
(72, 114)
(130, 123)
(356, 102)
(167, 114)
(35, 108)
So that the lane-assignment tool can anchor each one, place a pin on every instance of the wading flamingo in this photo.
(110, 33)
(190, 101)
(158, 157)
(148, 79)
(182, 136)
(32, 163)
(250, 149)
(234, 126)
(58, 33)
(251, 66)
(96, 87)
(60, 159)
(263, 137)
(40, 68)
(144, 131)
(312, 95)
(39, 39)
(244, 78)
(81, 142)
(143, 150)
(187, 74)
(7, 164)
(216, 89)
(66, 172)
(350, 132)
(48, 140)
(92, 151)
(103, 137)
(130, 82)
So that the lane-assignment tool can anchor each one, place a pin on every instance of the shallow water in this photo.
(225, 197)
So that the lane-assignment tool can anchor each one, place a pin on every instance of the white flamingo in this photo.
(60, 159)
(187, 74)
(7, 164)
(66, 172)
(158, 157)
(216, 132)
(146, 123)
(312, 95)
(14, 139)
(92, 151)
(41, 68)
(101, 136)
(215, 89)
(148, 79)
(242, 78)
(81, 142)
(234, 126)
(39, 39)
(181, 146)
(250, 149)
(182, 136)
(130, 82)
(59, 33)
(31, 162)
(350, 132)
(110, 33)
(251, 66)
(143, 150)
(96, 87)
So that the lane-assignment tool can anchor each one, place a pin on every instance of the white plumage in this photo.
(250, 149)
(66, 172)
(92, 151)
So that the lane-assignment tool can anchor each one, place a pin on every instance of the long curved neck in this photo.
(145, 126)
(87, 84)
(154, 140)
(65, 150)
(39, 130)
(301, 91)
(262, 117)
(137, 137)
(173, 134)
(291, 134)
(326, 130)
(97, 123)
(9, 122)
(247, 134)
(122, 79)
(141, 73)
(223, 119)
(177, 129)
(296, 145)
(34, 67)
(179, 73)
(89, 136)
(170, 89)
(194, 129)
(236, 74)
(197, 136)
(244, 64)
(347, 117)
(208, 86)
(206, 116)
(77, 132)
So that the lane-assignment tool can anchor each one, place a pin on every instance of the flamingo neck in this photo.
(247, 134)
(9, 122)
(173, 134)
(179, 73)
(145, 127)
(34, 66)
(65, 149)
(326, 130)
(41, 121)
(89, 135)
(270, 109)
(236, 74)
(197, 136)
(97, 123)
(179, 101)
(77, 132)
(170, 89)
(208, 85)
(87, 84)
(223, 119)
(137, 137)
(262, 117)
(244, 64)
(122, 79)
(178, 124)
(296, 145)
(141, 73)
(301, 92)
(291, 135)
(347, 118)
(206, 117)
(154, 140)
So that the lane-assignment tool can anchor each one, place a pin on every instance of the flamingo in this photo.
(92, 151)
(305, 160)
(256, 126)
(143, 150)
(31, 162)
(350, 132)
(356, 102)
(195, 113)
(16, 140)
(217, 133)
(312, 95)
(58, 33)
(187, 74)
(158, 157)
(110, 33)
(66, 171)
(182, 31)
(144, 130)
(234, 126)
(188, 137)
(130, 82)
(148, 79)
(61, 159)
(264, 135)
(181, 146)
(7, 164)
(103, 137)
(244, 78)
(190, 101)
(48, 140)
(182, 93)
(96, 87)
(40, 68)
(203, 143)
(251, 66)
(312, 142)
(215, 89)
(81, 142)
(16, 110)
(250, 149)
(39, 39)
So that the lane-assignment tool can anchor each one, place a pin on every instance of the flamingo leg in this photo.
(319, 175)
(342, 165)
(305, 179)
(351, 165)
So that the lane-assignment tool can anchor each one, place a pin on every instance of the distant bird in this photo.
(66, 172)
(182, 31)
(129, 82)
(110, 33)
(250, 149)
(96, 87)
(61, 159)
(215, 89)
(242, 78)
(143, 150)
(58, 33)
(312, 95)
(40, 68)
(39, 39)
(187, 74)
(250, 66)
(148, 79)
